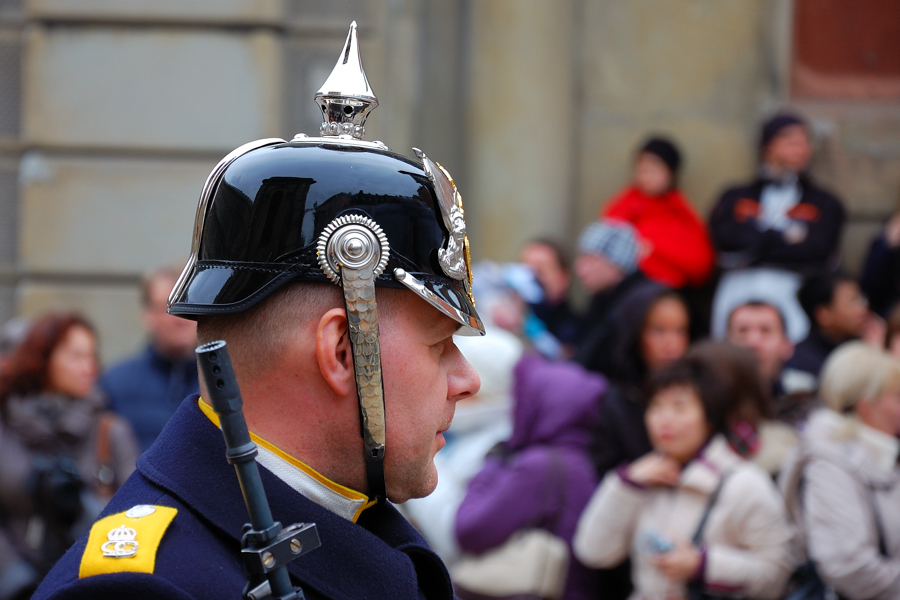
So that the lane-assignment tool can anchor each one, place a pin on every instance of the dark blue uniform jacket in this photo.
(381, 556)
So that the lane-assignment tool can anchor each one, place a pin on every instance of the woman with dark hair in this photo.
(694, 517)
(750, 401)
(63, 454)
(650, 329)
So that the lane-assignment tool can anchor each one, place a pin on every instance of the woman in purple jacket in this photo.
(543, 476)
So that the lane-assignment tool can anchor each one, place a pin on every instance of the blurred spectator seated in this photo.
(843, 487)
(63, 454)
(776, 230)
(838, 312)
(892, 333)
(881, 273)
(11, 334)
(676, 249)
(752, 431)
(696, 518)
(551, 268)
(479, 424)
(505, 293)
(760, 327)
(542, 476)
(650, 330)
(607, 268)
(147, 388)
(764, 428)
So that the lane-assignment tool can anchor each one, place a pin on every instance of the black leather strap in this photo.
(713, 498)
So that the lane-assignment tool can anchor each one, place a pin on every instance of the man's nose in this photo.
(464, 381)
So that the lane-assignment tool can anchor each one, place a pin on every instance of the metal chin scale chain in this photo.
(353, 251)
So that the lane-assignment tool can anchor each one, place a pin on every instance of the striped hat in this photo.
(614, 240)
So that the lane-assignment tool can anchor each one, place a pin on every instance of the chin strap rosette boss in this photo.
(353, 252)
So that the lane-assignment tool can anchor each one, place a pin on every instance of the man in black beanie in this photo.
(781, 218)
(780, 224)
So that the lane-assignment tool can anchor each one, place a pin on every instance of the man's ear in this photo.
(333, 352)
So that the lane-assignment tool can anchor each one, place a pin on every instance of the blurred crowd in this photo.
(720, 420)
(69, 437)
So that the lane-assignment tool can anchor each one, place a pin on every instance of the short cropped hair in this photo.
(702, 375)
(253, 335)
(855, 371)
(758, 304)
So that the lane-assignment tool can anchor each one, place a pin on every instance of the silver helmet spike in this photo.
(346, 98)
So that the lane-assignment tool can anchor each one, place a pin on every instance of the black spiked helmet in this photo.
(333, 208)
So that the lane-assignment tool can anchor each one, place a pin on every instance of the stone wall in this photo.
(112, 114)
(556, 126)
(125, 108)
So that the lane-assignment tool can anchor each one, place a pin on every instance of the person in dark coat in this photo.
(542, 476)
(780, 219)
(772, 233)
(146, 389)
(880, 279)
(607, 267)
(553, 272)
(838, 312)
(651, 330)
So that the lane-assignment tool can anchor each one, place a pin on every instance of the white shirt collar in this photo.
(342, 501)
(302, 478)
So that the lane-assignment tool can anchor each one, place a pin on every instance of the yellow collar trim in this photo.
(357, 498)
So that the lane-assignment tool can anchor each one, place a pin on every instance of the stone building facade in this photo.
(112, 114)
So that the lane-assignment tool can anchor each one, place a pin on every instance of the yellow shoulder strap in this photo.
(126, 542)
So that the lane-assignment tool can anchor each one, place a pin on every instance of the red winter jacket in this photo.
(680, 249)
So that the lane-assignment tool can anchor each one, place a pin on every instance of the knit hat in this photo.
(773, 126)
(665, 150)
(614, 240)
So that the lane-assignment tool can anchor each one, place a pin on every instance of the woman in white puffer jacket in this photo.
(650, 510)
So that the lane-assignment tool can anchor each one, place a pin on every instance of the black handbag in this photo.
(805, 582)
(695, 589)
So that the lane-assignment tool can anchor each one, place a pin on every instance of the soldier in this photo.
(291, 241)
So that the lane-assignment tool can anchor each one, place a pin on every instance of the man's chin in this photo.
(415, 489)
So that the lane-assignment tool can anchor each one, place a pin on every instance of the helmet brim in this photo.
(221, 287)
